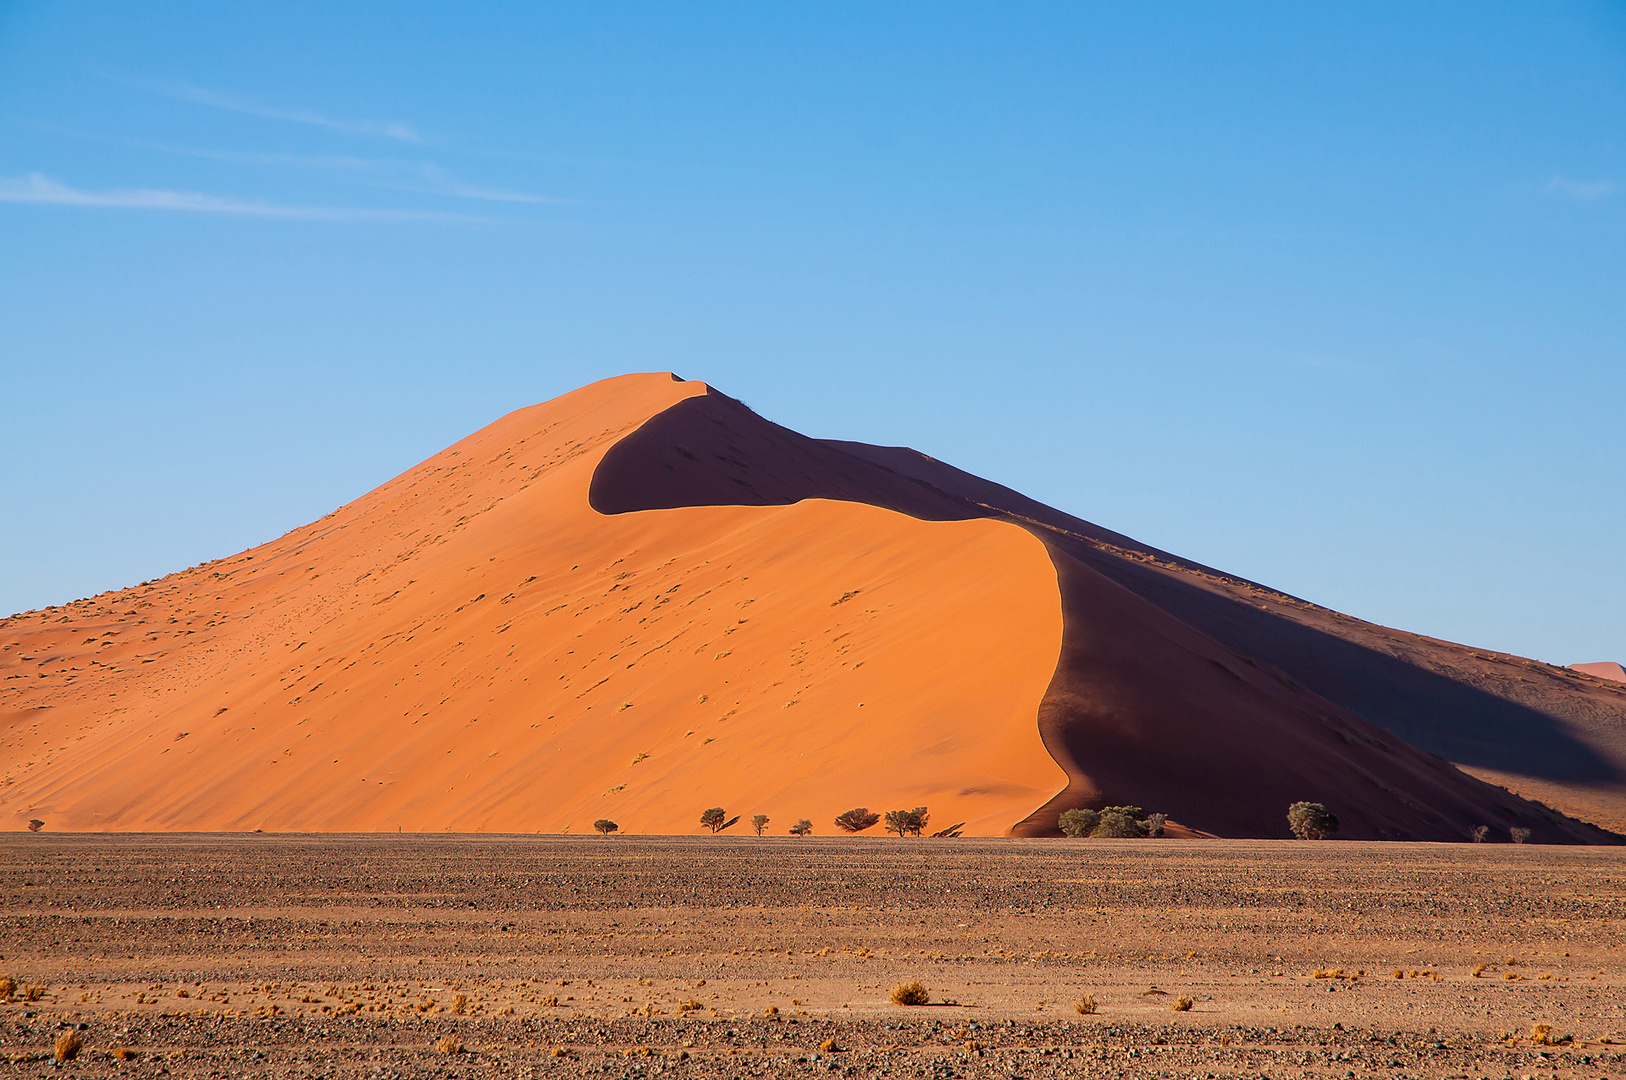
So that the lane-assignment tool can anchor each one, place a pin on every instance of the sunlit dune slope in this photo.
(472, 647)
(641, 599)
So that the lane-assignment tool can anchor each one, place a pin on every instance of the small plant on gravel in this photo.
(448, 1045)
(910, 993)
(36, 825)
(759, 822)
(1480, 834)
(804, 827)
(460, 1004)
(67, 1046)
(124, 1053)
(1085, 1006)
(1519, 834)
(8, 987)
(857, 819)
(34, 992)
(1077, 823)
(605, 826)
(1181, 1004)
(1311, 821)
(713, 819)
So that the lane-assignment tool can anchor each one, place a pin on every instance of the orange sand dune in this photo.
(1602, 669)
(641, 599)
(472, 647)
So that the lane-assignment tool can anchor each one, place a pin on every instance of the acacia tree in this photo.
(1077, 823)
(714, 818)
(907, 822)
(857, 819)
(804, 827)
(759, 822)
(1311, 821)
(605, 826)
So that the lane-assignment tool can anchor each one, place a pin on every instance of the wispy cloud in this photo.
(1582, 189)
(387, 129)
(35, 188)
(399, 174)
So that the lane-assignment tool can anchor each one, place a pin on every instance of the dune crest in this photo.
(641, 599)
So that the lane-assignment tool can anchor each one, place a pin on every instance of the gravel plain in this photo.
(471, 956)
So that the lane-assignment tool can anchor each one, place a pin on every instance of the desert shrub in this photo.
(1480, 834)
(1085, 1006)
(907, 822)
(1120, 823)
(33, 992)
(713, 818)
(124, 1053)
(67, 1046)
(759, 822)
(1155, 823)
(8, 987)
(857, 819)
(1311, 821)
(910, 993)
(448, 1045)
(1077, 823)
(1181, 1004)
(804, 827)
(460, 1004)
(36, 825)
(1519, 834)
(605, 826)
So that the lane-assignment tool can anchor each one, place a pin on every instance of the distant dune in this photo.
(1603, 669)
(640, 599)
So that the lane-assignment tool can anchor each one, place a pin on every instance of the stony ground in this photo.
(278, 956)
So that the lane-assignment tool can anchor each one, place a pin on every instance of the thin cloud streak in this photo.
(200, 96)
(1582, 189)
(39, 189)
(440, 181)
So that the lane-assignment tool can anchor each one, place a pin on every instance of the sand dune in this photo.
(1603, 669)
(640, 599)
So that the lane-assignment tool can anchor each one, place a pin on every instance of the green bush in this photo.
(1311, 821)
(1077, 823)
(1121, 823)
(857, 819)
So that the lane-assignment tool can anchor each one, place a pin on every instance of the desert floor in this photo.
(293, 956)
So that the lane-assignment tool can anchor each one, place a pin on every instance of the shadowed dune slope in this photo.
(472, 647)
(1157, 701)
(641, 599)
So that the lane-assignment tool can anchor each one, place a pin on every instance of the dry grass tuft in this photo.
(460, 1004)
(910, 993)
(124, 1053)
(448, 1045)
(34, 992)
(8, 987)
(1181, 1004)
(67, 1046)
(1542, 1035)
(1085, 1006)
(690, 1006)
(828, 1046)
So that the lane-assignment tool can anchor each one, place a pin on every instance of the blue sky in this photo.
(1330, 296)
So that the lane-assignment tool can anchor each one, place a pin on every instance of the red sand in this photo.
(640, 599)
